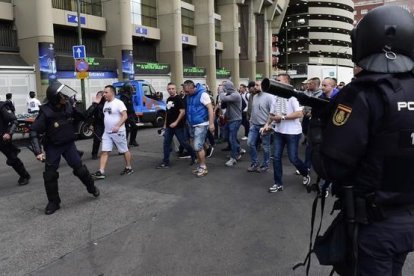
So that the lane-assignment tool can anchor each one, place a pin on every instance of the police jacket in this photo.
(129, 104)
(95, 113)
(368, 141)
(8, 120)
(57, 125)
(197, 112)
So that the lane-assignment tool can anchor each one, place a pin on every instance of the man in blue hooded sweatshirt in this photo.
(201, 119)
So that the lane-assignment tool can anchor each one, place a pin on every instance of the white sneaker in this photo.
(306, 180)
(242, 151)
(244, 138)
(231, 162)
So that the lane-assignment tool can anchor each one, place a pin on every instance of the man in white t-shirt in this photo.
(115, 116)
(32, 104)
(284, 119)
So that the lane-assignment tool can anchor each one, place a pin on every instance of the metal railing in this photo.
(92, 7)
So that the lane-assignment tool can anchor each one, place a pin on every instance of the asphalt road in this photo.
(157, 222)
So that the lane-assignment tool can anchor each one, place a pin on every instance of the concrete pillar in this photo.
(205, 32)
(248, 67)
(263, 66)
(119, 30)
(228, 10)
(34, 22)
(170, 48)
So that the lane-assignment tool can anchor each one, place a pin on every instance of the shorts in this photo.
(119, 139)
(198, 133)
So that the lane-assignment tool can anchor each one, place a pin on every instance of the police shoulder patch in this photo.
(341, 115)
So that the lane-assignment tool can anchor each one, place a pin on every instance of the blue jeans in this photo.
(199, 133)
(292, 143)
(181, 135)
(233, 127)
(254, 135)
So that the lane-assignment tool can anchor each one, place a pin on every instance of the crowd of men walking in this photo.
(193, 117)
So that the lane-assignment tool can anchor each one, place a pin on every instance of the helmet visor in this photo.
(66, 91)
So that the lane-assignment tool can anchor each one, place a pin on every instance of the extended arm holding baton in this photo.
(286, 91)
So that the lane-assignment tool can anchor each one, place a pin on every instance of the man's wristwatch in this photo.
(283, 118)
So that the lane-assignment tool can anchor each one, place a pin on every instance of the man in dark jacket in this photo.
(126, 94)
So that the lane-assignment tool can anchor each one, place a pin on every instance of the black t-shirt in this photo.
(174, 104)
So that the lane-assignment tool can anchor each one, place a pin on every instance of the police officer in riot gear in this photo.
(126, 94)
(8, 124)
(55, 121)
(368, 143)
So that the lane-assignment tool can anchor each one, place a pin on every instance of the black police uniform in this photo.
(368, 142)
(56, 123)
(8, 124)
(131, 122)
(96, 111)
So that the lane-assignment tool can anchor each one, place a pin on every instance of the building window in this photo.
(144, 12)
(187, 22)
(188, 1)
(65, 38)
(188, 55)
(217, 29)
(8, 37)
(145, 50)
(93, 7)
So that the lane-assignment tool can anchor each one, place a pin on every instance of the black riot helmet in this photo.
(383, 41)
(128, 89)
(56, 90)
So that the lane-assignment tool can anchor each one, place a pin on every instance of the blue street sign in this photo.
(184, 38)
(141, 30)
(72, 18)
(79, 51)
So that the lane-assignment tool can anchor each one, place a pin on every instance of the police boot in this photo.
(51, 185)
(83, 174)
(18, 166)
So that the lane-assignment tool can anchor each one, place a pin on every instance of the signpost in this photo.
(79, 51)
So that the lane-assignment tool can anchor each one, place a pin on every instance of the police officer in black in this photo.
(368, 142)
(126, 94)
(8, 124)
(97, 116)
(55, 121)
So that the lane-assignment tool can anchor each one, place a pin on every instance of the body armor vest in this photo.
(392, 146)
(59, 124)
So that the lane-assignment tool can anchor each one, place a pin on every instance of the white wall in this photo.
(19, 84)
(345, 74)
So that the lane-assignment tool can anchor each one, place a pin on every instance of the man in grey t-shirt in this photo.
(261, 104)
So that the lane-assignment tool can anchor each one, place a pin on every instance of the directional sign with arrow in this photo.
(79, 52)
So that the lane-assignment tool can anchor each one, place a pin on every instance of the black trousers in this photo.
(72, 157)
(383, 246)
(11, 152)
(97, 138)
(131, 129)
(245, 123)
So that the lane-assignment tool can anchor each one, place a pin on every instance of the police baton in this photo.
(286, 91)
(351, 226)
